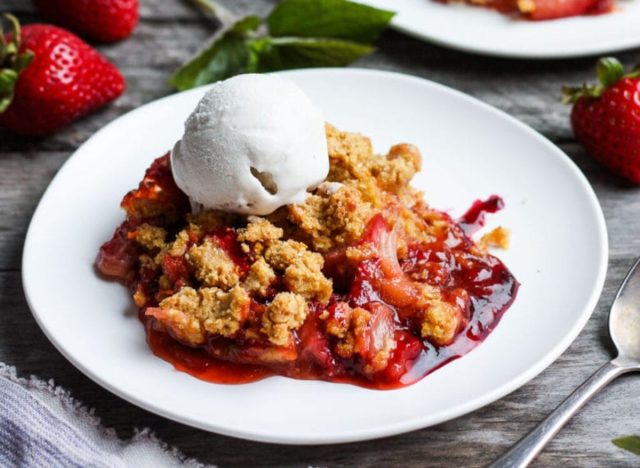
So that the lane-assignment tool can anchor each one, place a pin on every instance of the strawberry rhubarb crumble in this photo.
(544, 9)
(360, 281)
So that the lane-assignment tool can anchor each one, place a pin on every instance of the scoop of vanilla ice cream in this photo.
(253, 144)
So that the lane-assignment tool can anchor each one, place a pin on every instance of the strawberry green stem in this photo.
(12, 61)
(609, 71)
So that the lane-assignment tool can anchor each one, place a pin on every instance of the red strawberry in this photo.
(51, 78)
(99, 20)
(551, 9)
(606, 118)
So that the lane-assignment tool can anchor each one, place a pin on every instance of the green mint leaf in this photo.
(283, 53)
(629, 443)
(335, 19)
(227, 55)
(246, 25)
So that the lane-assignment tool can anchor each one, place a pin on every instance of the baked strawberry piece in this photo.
(362, 283)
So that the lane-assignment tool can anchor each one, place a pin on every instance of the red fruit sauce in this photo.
(474, 217)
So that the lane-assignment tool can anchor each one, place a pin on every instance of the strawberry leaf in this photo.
(8, 80)
(335, 19)
(22, 61)
(628, 443)
(272, 54)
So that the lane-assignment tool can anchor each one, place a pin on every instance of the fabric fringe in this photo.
(88, 416)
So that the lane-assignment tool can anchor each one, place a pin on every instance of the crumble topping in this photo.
(353, 160)
(304, 276)
(190, 314)
(337, 217)
(302, 269)
(499, 238)
(149, 236)
(260, 230)
(286, 312)
(260, 277)
(338, 323)
(204, 221)
(212, 266)
(440, 322)
(282, 254)
(330, 220)
(348, 155)
(526, 6)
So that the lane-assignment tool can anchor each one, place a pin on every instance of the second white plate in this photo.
(470, 150)
(484, 31)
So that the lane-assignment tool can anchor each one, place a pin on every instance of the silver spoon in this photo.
(624, 328)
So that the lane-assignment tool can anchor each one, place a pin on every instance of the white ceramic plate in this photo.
(470, 150)
(483, 31)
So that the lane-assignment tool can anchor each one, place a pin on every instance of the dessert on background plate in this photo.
(270, 243)
(538, 10)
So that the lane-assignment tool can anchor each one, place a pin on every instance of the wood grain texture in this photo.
(168, 33)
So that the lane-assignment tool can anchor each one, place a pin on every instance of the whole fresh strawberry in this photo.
(49, 77)
(98, 20)
(606, 118)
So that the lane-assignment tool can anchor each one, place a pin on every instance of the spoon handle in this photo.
(523, 453)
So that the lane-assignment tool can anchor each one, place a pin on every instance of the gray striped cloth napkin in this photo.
(41, 425)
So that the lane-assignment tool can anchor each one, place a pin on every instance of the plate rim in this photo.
(523, 54)
(420, 421)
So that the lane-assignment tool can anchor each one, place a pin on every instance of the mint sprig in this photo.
(628, 443)
(299, 34)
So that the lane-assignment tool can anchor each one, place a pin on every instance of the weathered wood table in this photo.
(168, 33)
